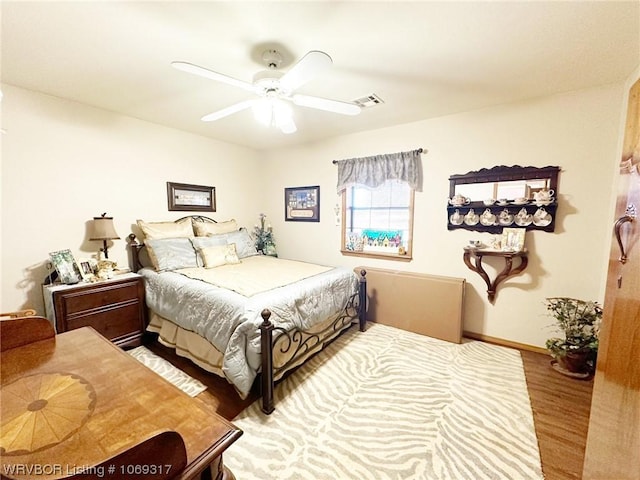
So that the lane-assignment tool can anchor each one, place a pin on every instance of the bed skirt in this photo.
(201, 352)
(186, 343)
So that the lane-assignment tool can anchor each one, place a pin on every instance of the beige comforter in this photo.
(255, 274)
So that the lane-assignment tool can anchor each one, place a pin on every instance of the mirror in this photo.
(504, 182)
(510, 190)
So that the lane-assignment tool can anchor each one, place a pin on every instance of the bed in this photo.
(238, 314)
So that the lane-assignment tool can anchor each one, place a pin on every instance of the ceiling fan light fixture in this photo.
(263, 111)
(273, 111)
(283, 116)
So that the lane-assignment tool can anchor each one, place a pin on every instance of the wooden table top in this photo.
(76, 400)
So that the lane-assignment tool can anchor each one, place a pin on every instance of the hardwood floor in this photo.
(560, 408)
(220, 394)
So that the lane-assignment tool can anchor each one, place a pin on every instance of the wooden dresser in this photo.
(115, 307)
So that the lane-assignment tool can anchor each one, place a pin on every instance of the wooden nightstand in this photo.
(115, 307)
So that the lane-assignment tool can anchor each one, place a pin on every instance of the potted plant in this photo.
(579, 322)
(263, 235)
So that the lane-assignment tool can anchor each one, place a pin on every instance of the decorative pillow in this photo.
(244, 243)
(155, 230)
(217, 255)
(204, 242)
(204, 229)
(171, 253)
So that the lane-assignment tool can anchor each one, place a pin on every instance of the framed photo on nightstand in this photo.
(66, 266)
(87, 268)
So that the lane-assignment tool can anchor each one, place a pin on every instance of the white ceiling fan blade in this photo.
(313, 63)
(210, 74)
(334, 106)
(227, 111)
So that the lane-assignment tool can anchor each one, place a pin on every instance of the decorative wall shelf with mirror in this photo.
(488, 200)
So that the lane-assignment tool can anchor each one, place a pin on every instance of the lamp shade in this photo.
(103, 229)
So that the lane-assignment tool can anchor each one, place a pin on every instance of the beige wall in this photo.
(577, 131)
(64, 163)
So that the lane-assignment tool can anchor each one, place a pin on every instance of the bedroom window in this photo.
(378, 222)
(377, 203)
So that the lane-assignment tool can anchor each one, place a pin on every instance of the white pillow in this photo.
(204, 229)
(217, 255)
(156, 230)
(203, 242)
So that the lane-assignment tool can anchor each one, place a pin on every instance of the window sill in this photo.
(383, 256)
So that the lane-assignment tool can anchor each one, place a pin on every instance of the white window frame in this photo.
(407, 255)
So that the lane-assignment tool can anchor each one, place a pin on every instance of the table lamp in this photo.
(103, 230)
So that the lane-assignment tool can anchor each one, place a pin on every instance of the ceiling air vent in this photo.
(368, 101)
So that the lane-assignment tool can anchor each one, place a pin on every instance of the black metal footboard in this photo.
(298, 344)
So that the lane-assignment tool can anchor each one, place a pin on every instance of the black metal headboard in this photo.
(136, 247)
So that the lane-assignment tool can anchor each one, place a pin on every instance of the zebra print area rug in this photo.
(177, 377)
(390, 404)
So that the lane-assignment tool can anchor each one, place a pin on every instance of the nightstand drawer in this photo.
(111, 323)
(89, 299)
(114, 307)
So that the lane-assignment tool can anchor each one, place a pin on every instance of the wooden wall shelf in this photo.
(507, 271)
(502, 182)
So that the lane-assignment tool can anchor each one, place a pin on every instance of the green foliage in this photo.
(263, 234)
(579, 322)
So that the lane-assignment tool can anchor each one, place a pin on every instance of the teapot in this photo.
(543, 196)
(459, 200)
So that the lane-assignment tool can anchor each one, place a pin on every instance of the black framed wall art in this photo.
(191, 198)
(302, 204)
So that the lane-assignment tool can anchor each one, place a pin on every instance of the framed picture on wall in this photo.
(302, 204)
(191, 198)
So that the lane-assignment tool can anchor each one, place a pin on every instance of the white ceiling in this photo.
(424, 59)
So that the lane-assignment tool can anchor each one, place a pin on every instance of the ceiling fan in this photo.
(276, 90)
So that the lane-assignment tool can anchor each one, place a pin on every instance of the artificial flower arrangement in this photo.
(263, 235)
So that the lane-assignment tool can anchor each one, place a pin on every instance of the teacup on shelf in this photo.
(456, 218)
(487, 218)
(523, 218)
(505, 218)
(489, 201)
(471, 218)
(543, 203)
(542, 218)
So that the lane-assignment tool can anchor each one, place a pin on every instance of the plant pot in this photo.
(575, 362)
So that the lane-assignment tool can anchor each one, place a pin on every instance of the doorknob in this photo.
(629, 216)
